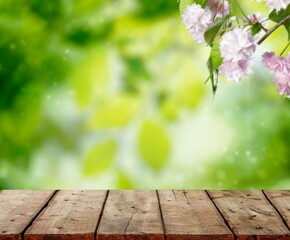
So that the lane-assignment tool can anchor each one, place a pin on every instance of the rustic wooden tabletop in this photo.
(150, 215)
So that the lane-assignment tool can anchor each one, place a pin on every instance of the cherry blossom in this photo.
(276, 4)
(233, 42)
(234, 71)
(219, 8)
(280, 67)
(236, 45)
(197, 20)
(258, 18)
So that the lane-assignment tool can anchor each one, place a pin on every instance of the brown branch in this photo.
(273, 29)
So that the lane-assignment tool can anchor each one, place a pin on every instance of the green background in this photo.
(111, 94)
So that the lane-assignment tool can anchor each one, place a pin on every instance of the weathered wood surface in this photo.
(149, 215)
(18, 209)
(131, 215)
(70, 215)
(191, 215)
(281, 201)
(250, 215)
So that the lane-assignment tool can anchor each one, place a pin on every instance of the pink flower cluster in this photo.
(233, 44)
(219, 8)
(258, 18)
(280, 67)
(237, 47)
(276, 4)
(197, 19)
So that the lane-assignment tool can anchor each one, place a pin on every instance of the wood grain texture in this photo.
(250, 215)
(70, 215)
(17, 209)
(281, 201)
(131, 215)
(191, 215)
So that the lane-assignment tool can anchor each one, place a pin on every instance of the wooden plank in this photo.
(191, 215)
(281, 201)
(250, 215)
(70, 215)
(131, 215)
(17, 210)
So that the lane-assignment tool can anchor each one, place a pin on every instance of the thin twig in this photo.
(239, 6)
(285, 48)
(285, 20)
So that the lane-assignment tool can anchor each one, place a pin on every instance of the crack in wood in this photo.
(260, 211)
(128, 225)
(174, 195)
(252, 217)
(184, 193)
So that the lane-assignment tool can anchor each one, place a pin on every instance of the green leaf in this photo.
(100, 158)
(287, 26)
(190, 94)
(211, 34)
(169, 109)
(116, 113)
(123, 182)
(136, 66)
(93, 79)
(154, 145)
(256, 28)
(215, 56)
(213, 76)
(215, 60)
(279, 16)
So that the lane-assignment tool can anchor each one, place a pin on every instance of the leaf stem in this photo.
(273, 29)
(239, 6)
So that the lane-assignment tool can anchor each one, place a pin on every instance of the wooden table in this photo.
(150, 215)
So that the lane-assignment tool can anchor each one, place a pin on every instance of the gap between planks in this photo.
(46, 205)
(38, 213)
(161, 215)
(221, 215)
(250, 214)
(101, 214)
(55, 193)
(276, 209)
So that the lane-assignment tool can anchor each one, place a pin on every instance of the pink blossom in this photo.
(237, 45)
(287, 60)
(276, 4)
(234, 71)
(280, 67)
(258, 18)
(219, 8)
(282, 80)
(197, 20)
(274, 63)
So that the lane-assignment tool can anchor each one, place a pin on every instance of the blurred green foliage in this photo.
(154, 144)
(111, 94)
